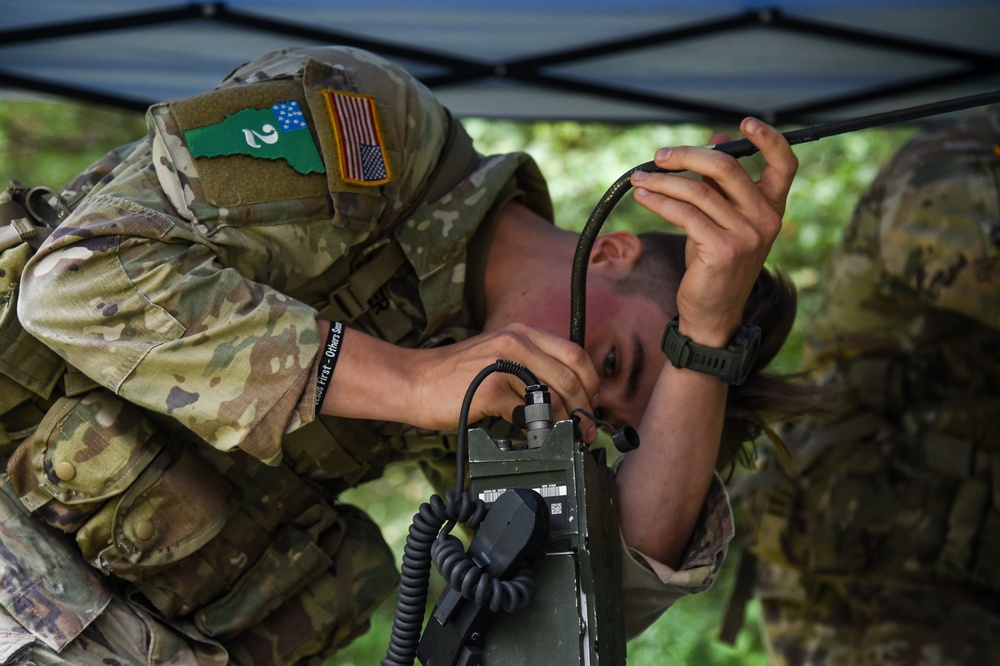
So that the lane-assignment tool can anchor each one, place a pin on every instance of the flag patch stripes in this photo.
(360, 148)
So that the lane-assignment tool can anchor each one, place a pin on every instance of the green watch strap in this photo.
(732, 365)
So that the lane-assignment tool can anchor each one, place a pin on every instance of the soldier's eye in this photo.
(611, 362)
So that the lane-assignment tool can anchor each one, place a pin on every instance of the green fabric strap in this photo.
(349, 300)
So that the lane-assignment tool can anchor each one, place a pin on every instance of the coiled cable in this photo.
(415, 571)
(427, 542)
(477, 585)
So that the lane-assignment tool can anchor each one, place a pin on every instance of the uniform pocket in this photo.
(348, 571)
(174, 508)
(98, 467)
(85, 451)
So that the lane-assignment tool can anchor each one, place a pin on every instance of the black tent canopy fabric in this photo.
(790, 61)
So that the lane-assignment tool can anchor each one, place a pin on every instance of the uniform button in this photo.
(144, 530)
(65, 470)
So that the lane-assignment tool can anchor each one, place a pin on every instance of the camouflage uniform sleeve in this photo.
(185, 284)
(940, 221)
(136, 299)
(651, 587)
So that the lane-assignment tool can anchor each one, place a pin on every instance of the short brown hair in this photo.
(765, 397)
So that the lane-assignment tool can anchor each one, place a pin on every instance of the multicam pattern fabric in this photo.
(880, 546)
(644, 601)
(188, 288)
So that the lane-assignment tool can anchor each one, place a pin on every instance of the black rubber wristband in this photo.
(732, 365)
(328, 361)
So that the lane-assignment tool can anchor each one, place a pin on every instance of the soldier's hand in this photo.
(426, 387)
(443, 376)
(730, 220)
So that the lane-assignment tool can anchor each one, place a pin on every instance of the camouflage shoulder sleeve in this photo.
(138, 301)
(170, 284)
(939, 228)
(651, 587)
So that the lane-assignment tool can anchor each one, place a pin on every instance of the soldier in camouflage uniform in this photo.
(880, 544)
(177, 502)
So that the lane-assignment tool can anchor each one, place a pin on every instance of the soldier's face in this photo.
(623, 341)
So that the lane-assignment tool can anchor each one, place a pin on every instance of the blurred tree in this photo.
(47, 143)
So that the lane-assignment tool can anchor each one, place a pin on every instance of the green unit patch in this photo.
(276, 133)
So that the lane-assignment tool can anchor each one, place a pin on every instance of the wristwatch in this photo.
(732, 364)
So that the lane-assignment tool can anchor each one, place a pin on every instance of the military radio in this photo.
(577, 615)
(546, 550)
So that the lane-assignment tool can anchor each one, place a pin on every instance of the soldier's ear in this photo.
(615, 253)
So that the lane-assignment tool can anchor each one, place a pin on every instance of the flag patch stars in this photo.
(289, 115)
(360, 148)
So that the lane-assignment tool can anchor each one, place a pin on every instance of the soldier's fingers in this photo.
(716, 139)
(558, 363)
(723, 171)
(693, 205)
(776, 178)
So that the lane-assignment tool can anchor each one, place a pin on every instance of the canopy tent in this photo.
(792, 61)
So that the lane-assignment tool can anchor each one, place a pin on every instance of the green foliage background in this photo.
(46, 143)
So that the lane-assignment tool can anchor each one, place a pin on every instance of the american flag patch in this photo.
(359, 141)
